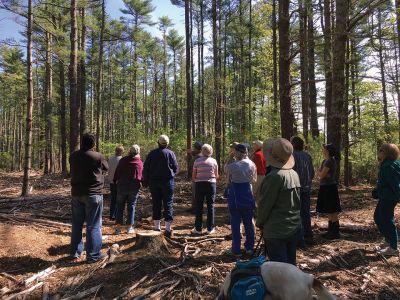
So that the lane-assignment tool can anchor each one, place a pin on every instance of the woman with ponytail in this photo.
(328, 196)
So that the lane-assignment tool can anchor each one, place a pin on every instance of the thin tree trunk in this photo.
(82, 75)
(99, 83)
(189, 95)
(63, 122)
(327, 58)
(73, 70)
(287, 116)
(29, 110)
(311, 71)
(275, 69)
(48, 163)
(202, 68)
(305, 105)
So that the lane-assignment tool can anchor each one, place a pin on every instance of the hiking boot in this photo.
(389, 251)
(249, 252)
(168, 233)
(195, 231)
(334, 232)
(231, 253)
(131, 230)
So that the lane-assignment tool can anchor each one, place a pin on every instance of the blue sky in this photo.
(10, 24)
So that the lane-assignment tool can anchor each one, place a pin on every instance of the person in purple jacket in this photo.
(128, 176)
(159, 171)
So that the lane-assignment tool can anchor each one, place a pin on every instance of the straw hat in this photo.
(278, 153)
(163, 140)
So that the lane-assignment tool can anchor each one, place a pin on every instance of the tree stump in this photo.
(152, 241)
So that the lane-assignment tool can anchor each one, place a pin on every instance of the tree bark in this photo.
(189, 95)
(287, 116)
(48, 163)
(275, 69)
(63, 129)
(29, 105)
(82, 74)
(335, 117)
(311, 71)
(99, 84)
(73, 71)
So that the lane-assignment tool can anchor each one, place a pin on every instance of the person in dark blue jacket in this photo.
(388, 193)
(160, 168)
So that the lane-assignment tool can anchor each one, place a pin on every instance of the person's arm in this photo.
(216, 171)
(174, 163)
(117, 173)
(269, 193)
(254, 175)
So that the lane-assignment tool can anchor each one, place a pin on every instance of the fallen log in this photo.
(83, 294)
(41, 275)
(32, 288)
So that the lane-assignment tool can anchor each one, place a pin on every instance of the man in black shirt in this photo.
(87, 180)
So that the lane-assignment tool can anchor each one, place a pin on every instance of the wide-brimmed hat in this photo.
(279, 153)
(258, 143)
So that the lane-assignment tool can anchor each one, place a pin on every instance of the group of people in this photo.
(268, 186)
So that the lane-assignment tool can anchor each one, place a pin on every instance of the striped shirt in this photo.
(206, 169)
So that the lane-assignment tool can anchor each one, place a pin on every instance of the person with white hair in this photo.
(159, 171)
(241, 174)
(205, 175)
(128, 176)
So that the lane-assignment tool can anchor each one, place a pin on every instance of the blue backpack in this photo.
(246, 280)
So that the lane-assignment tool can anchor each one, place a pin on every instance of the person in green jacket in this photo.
(388, 193)
(279, 208)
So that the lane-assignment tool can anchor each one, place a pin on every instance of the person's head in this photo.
(331, 151)
(232, 147)
(119, 150)
(197, 146)
(206, 150)
(134, 150)
(240, 152)
(257, 145)
(163, 141)
(298, 143)
(388, 152)
(88, 141)
(279, 153)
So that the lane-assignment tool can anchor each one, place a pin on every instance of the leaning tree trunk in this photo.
(287, 116)
(29, 105)
(335, 117)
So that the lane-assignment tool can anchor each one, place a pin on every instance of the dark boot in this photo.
(334, 233)
(328, 230)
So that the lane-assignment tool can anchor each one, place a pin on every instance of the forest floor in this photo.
(34, 236)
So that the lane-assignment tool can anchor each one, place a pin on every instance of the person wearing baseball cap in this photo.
(159, 171)
(241, 175)
(279, 207)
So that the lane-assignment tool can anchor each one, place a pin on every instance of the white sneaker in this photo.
(131, 230)
(211, 231)
(389, 251)
(195, 231)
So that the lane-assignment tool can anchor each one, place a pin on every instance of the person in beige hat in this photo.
(279, 207)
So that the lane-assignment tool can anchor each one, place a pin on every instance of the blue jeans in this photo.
(162, 192)
(128, 198)
(89, 209)
(245, 215)
(207, 190)
(384, 219)
(113, 200)
(283, 250)
(305, 213)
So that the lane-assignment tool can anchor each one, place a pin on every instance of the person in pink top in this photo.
(205, 175)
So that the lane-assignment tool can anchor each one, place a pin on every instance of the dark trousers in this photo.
(237, 215)
(87, 209)
(205, 190)
(305, 213)
(283, 250)
(162, 192)
(128, 198)
(113, 200)
(384, 219)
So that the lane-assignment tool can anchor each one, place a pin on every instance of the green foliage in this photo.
(5, 160)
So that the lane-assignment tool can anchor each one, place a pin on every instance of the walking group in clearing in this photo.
(269, 188)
